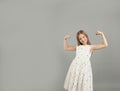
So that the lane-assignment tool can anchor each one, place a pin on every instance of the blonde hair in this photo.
(77, 36)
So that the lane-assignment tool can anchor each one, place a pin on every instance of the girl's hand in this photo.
(99, 33)
(67, 36)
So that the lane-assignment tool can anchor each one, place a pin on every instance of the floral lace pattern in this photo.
(79, 75)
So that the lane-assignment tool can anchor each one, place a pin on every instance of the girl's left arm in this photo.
(102, 45)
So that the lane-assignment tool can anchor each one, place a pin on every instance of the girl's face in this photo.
(83, 39)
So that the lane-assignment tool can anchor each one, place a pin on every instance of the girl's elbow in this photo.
(65, 48)
(106, 45)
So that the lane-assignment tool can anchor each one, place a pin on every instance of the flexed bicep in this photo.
(97, 47)
(103, 44)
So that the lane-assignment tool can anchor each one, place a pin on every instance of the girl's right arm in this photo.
(66, 46)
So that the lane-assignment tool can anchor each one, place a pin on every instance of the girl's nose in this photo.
(82, 39)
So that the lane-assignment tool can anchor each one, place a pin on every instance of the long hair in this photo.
(77, 36)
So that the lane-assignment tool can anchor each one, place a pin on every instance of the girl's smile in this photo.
(83, 39)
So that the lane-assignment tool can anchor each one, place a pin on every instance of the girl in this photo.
(79, 75)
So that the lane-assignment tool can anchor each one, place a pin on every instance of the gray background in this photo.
(32, 57)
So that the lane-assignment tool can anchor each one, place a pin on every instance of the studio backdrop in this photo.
(32, 56)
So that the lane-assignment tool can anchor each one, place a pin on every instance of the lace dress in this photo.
(79, 75)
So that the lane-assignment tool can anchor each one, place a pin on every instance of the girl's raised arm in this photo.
(102, 45)
(66, 46)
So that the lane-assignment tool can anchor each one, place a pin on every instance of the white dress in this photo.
(79, 75)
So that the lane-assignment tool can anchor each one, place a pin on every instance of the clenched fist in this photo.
(67, 36)
(99, 33)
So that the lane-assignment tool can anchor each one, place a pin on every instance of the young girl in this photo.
(79, 75)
